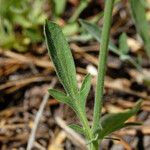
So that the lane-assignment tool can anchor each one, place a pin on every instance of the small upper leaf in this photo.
(141, 23)
(85, 88)
(77, 128)
(116, 121)
(62, 97)
(61, 56)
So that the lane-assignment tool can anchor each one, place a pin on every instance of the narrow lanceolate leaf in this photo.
(143, 28)
(62, 97)
(61, 56)
(123, 46)
(85, 88)
(116, 121)
(96, 32)
(77, 128)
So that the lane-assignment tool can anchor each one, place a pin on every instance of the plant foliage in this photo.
(20, 23)
(139, 15)
(123, 49)
(62, 59)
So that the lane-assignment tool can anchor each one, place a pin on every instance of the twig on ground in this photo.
(37, 145)
(23, 82)
(27, 59)
(37, 118)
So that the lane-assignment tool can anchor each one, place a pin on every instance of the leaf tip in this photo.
(137, 106)
(48, 25)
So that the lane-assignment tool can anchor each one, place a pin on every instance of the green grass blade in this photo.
(61, 56)
(143, 28)
(96, 32)
(59, 6)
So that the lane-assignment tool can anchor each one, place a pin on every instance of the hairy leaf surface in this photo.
(116, 121)
(62, 97)
(61, 56)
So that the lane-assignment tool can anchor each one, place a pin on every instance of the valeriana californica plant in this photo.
(75, 97)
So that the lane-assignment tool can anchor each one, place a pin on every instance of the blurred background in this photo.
(26, 71)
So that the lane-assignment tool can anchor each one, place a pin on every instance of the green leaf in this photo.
(70, 29)
(85, 88)
(62, 97)
(82, 5)
(61, 56)
(59, 6)
(123, 46)
(95, 31)
(77, 128)
(141, 23)
(116, 121)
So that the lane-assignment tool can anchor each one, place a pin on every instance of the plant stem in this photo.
(94, 146)
(102, 64)
(85, 124)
